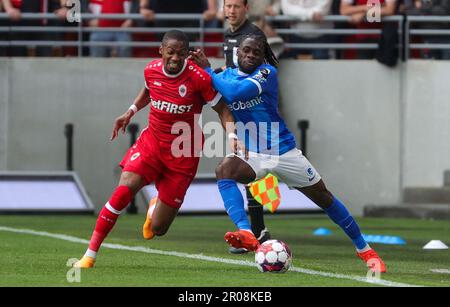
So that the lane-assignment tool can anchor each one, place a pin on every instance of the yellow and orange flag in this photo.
(266, 191)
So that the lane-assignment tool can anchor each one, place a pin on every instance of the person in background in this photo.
(310, 14)
(103, 7)
(15, 8)
(258, 10)
(358, 10)
(3, 36)
(210, 14)
(432, 8)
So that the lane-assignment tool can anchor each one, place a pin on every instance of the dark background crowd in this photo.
(309, 15)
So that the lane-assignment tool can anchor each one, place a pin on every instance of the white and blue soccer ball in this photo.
(273, 256)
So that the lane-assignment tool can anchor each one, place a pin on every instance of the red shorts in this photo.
(153, 161)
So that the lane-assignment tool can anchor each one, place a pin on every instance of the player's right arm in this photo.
(122, 121)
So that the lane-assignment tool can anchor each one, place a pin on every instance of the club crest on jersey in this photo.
(262, 75)
(182, 90)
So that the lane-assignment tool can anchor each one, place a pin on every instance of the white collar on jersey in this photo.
(178, 74)
(241, 73)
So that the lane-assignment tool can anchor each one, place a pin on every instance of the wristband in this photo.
(133, 108)
(232, 136)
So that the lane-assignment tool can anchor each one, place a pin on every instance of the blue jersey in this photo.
(253, 100)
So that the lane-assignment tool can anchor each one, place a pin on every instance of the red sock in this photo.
(108, 216)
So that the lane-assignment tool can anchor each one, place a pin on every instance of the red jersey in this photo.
(176, 99)
(16, 3)
(368, 25)
(110, 7)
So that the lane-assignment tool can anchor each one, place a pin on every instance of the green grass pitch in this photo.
(30, 260)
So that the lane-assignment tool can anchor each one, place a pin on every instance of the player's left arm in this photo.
(121, 122)
(234, 90)
(215, 101)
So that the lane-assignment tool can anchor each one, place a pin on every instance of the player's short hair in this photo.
(269, 56)
(177, 35)
(245, 2)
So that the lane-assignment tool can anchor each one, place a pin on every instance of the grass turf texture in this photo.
(28, 260)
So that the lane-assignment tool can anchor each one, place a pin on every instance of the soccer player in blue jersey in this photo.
(251, 92)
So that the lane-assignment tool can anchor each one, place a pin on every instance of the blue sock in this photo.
(340, 215)
(234, 203)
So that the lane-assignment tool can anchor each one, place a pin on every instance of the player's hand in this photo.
(199, 58)
(121, 123)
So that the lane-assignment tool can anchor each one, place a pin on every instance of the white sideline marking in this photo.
(440, 271)
(202, 257)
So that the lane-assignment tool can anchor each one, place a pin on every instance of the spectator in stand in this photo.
(358, 10)
(310, 14)
(258, 10)
(3, 36)
(433, 8)
(210, 14)
(15, 8)
(103, 7)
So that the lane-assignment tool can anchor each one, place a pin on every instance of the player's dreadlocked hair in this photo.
(269, 56)
(178, 35)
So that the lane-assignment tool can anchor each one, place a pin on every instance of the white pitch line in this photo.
(440, 271)
(147, 250)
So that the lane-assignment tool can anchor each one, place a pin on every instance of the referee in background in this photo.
(235, 12)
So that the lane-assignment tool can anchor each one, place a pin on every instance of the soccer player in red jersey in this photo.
(178, 89)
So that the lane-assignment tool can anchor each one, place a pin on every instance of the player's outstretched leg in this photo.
(339, 214)
(106, 220)
(128, 186)
(256, 213)
(228, 173)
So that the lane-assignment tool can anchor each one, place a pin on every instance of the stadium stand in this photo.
(431, 8)
(419, 28)
(101, 7)
(358, 10)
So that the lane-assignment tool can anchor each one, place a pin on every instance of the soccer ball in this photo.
(273, 256)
